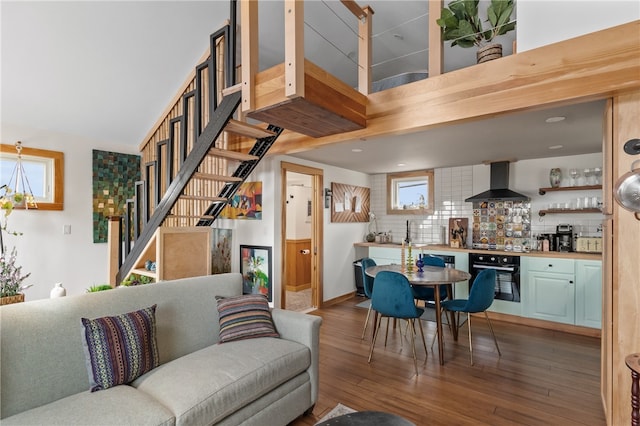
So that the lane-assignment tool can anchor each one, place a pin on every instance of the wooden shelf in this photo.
(543, 191)
(563, 211)
(146, 273)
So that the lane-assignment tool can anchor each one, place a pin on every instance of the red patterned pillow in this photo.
(245, 317)
(121, 348)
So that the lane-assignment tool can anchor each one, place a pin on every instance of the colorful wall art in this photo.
(246, 203)
(221, 251)
(114, 177)
(255, 266)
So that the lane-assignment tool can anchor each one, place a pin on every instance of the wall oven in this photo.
(507, 286)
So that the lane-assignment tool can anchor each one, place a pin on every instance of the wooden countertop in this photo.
(442, 247)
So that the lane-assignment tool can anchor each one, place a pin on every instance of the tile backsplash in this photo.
(453, 185)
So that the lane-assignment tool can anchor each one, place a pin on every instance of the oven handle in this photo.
(497, 268)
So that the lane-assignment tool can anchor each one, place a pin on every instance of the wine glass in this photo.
(587, 175)
(574, 173)
(597, 172)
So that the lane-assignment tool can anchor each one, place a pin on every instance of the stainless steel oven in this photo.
(507, 269)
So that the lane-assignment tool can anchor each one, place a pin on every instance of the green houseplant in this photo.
(462, 25)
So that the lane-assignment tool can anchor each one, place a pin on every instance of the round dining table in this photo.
(432, 276)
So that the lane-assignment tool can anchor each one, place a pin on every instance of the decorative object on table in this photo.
(246, 203)
(458, 229)
(462, 24)
(11, 279)
(419, 263)
(57, 291)
(555, 176)
(114, 177)
(350, 204)
(409, 260)
(627, 189)
(402, 257)
(255, 267)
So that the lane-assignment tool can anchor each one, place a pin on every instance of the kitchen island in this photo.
(558, 290)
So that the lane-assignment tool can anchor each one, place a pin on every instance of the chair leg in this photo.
(386, 334)
(413, 347)
(375, 335)
(492, 333)
(424, 343)
(470, 346)
(366, 321)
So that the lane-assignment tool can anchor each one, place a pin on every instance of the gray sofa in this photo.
(259, 381)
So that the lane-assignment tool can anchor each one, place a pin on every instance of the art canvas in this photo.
(246, 203)
(255, 266)
(114, 177)
(221, 251)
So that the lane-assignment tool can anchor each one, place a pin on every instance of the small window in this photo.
(44, 170)
(410, 192)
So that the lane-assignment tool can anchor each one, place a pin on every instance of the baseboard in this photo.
(548, 325)
(297, 288)
(338, 299)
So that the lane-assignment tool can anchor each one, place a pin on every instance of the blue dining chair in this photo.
(367, 283)
(427, 294)
(480, 299)
(392, 298)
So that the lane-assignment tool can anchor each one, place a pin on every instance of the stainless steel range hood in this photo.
(499, 186)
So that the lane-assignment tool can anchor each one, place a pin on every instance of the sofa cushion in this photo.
(120, 348)
(245, 317)
(210, 384)
(119, 405)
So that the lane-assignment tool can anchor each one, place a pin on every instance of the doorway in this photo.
(302, 210)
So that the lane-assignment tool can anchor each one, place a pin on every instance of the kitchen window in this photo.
(410, 192)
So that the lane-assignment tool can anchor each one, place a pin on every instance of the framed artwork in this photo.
(114, 177)
(246, 203)
(221, 251)
(255, 267)
(349, 203)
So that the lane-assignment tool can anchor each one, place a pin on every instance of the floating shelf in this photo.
(543, 191)
(563, 211)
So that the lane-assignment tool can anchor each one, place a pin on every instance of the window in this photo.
(44, 170)
(410, 192)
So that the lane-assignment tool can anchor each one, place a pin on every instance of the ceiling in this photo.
(106, 70)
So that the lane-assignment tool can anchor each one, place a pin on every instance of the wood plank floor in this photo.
(542, 378)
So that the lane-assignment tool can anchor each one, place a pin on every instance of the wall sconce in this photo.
(327, 198)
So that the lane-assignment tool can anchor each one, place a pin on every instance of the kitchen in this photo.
(546, 297)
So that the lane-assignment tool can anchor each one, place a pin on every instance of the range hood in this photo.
(499, 186)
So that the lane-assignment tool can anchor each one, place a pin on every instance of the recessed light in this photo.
(556, 146)
(401, 164)
(555, 119)
(356, 150)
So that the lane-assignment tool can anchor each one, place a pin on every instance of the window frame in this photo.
(394, 179)
(58, 173)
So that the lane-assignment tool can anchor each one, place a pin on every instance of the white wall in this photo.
(542, 22)
(298, 223)
(43, 249)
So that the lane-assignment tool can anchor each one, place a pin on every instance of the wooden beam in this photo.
(354, 8)
(435, 39)
(249, 42)
(114, 241)
(294, 48)
(593, 66)
(365, 25)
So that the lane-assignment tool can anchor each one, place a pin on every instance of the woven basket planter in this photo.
(7, 300)
(489, 52)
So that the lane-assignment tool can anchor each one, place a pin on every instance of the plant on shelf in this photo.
(462, 25)
(135, 279)
(258, 278)
(11, 276)
(99, 287)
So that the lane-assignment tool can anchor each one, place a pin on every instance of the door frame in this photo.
(317, 212)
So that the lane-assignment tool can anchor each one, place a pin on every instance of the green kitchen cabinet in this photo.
(589, 293)
(551, 289)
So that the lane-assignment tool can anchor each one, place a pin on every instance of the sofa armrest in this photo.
(304, 329)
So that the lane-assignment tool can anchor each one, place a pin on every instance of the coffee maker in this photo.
(564, 238)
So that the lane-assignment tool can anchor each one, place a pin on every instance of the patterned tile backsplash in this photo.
(502, 225)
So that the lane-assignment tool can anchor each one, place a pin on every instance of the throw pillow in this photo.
(245, 317)
(121, 348)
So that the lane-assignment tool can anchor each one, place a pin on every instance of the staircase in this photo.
(195, 147)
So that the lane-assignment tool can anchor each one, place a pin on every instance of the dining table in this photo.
(432, 276)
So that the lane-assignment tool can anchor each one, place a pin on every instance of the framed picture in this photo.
(255, 266)
(221, 251)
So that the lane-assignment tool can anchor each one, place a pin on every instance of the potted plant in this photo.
(463, 26)
(11, 279)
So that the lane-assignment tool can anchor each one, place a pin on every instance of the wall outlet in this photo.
(66, 229)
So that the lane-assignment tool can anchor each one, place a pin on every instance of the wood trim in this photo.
(365, 25)
(593, 66)
(249, 55)
(294, 49)
(58, 170)
(436, 50)
(354, 8)
(339, 299)
(417, 173)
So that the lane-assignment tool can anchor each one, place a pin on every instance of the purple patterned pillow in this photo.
(121, 348)
(245, 317)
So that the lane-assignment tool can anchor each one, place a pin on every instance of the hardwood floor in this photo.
(542, 378)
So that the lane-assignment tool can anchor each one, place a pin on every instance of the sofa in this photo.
(44, 367)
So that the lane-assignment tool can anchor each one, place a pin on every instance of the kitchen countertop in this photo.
(442, 247)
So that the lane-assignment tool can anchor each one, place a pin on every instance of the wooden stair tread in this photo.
(203, 197)
(232, 155)
(218, 178)
(245, 129)
(233, 89)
